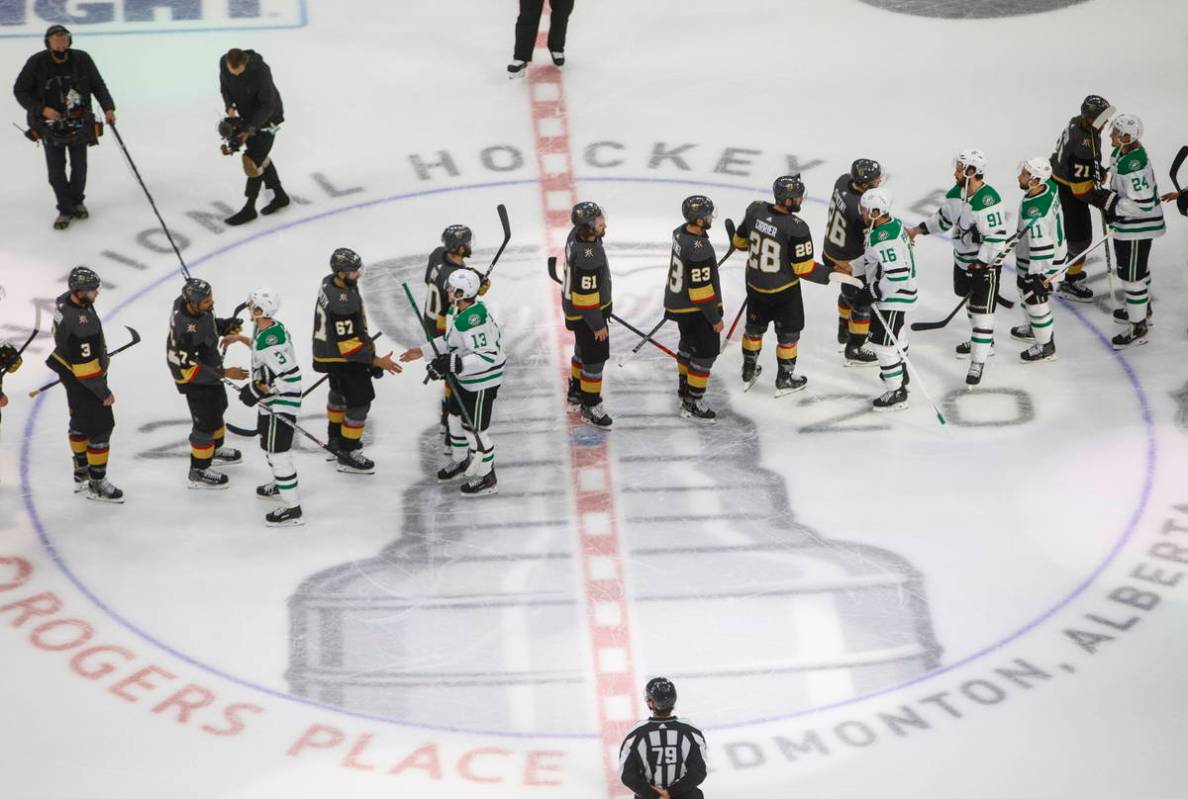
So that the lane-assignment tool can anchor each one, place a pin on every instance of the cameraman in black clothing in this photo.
(250, 95)
(55, 88)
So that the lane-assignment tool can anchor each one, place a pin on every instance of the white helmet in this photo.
(1037, 167)
(266, 300)
(464, 280)
(974, 158)
(875, 202)
(1128, 124)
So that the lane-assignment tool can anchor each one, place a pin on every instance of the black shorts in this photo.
(1078, 220)
(207, 404)
(352, 382)
(1132, 259)
(478, 405)
(785, 309)
(980, 285)
(275, 435)
(879, 334)
(698, 337)
(259, 146)
(88, 415)
(592, 350)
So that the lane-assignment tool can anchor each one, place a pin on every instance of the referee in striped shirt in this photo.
(663, 756)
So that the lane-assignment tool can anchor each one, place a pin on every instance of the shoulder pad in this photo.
(472, 317)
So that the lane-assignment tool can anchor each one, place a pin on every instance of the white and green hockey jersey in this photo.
(977, 225)
(1042, 248)
(473, 335)
(274, 363)
(889, 264)
(1139, 214)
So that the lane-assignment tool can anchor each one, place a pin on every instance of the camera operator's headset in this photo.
(34, 135)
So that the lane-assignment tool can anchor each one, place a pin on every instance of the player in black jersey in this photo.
(843, 244)
(1076, 168)
(693, 297)
(586, 303)
(781, 253)
(80, 360)
(196, 363)
(663, 756)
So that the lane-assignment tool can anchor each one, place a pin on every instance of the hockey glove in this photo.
(444, 365)
(1182, 202)
(10, 361)
(229, 327)
(376, 372)
(1036, 286)
(484, 287)
(1104, 199)
(862, 298)
(248, 395)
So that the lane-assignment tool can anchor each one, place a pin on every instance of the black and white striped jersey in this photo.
(663, 753)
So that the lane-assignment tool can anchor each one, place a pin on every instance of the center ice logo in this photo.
(30, 17)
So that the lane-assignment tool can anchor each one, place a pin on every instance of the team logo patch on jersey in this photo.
(191, 328)
(988, 200)
(1134, 164)
(1033, 211)
(82, 319)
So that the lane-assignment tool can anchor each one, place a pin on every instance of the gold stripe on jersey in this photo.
(1078, 188)
(701, 293)
(776, 290)
(804, 267)
(585, 300)
(187, 374)
(350, 346)
(82, 371)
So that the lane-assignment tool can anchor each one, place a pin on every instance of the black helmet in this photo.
(697, 207)
(83, 279)
(864, 170)
(1093, 105)
(788, 187)
(584, 214)
(53, 30)
(662, 693)
(456, 236)
(195, 290)
(345, 260)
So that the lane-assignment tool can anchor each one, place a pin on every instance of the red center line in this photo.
(592, 469)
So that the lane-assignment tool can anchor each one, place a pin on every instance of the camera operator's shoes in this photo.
(517, 69)
(243, 215)
(80, 212)
(558, 58)
(62, 222)
(279, 201)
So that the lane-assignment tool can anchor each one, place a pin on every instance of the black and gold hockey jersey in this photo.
(586, 287)
(80, 351)
(437, 301)
(780, 247)
(1077, 160)
(693, 284)
(845, 235)
(192, 349)
(340, 327)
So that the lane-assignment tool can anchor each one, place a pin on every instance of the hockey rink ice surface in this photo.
(850, 604)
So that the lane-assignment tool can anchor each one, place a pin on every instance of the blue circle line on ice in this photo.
(47, 543)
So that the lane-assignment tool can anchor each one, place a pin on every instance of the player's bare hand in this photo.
(227, 341)
(231, 112)
(235, 373)
(1170, 197)
(109, 400)
(3, 400)
(601, 334)
(243, 137)
(110, 116)
(913, 232)
(719, 325)
(50, 114)
(843, 267)
(387, 364)
(663, 792)
(411, 354)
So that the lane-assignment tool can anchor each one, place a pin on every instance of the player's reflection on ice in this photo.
(474, 618)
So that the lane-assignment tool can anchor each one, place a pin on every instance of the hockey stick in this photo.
(1175, 166)
(553, 274)
(326, 377)
(503, 220)
(135, 340)
(140, 180)
(907, 364)
(33, 335)
(1060, 273)
(449, 378)
(1011, 243)
(1105, 228)
(243, 431)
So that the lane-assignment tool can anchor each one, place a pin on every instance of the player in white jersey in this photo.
(276, 386)
(1040, 255)
(470, 356)
(972, 213)
(1131, 205)
(888, 267)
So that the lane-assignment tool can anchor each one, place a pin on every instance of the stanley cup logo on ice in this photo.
(484, 626)
(29, 17)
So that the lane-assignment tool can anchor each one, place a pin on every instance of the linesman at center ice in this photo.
(469, 356)
(663, 756)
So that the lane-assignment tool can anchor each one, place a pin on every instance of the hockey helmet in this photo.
(697, 207)
(195, 290)
(83, 279)
(662, 693)
(346, 260)
(1128, 125)
(266, 300)
(585, 213)
(456, 236)
(788, 187)
(972, 158)
(875, 202)
(1037, 167)
(865, 170)
(466, 281)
